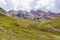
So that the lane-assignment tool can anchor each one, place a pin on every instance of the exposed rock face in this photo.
(2, 10)
(34, 15)
(12, 12)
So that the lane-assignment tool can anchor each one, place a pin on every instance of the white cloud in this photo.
(2, 2)
(26, 4)
(15, 3)
(52, 7)
(44, 3)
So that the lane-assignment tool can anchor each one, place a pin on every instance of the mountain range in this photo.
(38, 15)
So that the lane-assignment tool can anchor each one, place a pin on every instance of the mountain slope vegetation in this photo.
(13, 28)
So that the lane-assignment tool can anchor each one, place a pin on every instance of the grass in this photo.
(12, 28)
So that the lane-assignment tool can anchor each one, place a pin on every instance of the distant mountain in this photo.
(32, 15)
(21, 14)
(12, 12)
(2, 10)
(38, 15)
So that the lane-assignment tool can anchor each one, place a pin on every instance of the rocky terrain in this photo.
(37, 15)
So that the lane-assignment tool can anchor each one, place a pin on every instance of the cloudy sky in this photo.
(46, 5)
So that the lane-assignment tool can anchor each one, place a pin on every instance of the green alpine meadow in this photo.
(14, 28)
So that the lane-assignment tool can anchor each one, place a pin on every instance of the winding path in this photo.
(58, 30)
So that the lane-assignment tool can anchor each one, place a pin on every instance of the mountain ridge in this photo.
(37, 15)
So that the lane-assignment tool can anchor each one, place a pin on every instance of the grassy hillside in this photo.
(12, 28)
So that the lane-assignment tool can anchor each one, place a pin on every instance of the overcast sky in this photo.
(46, 5)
